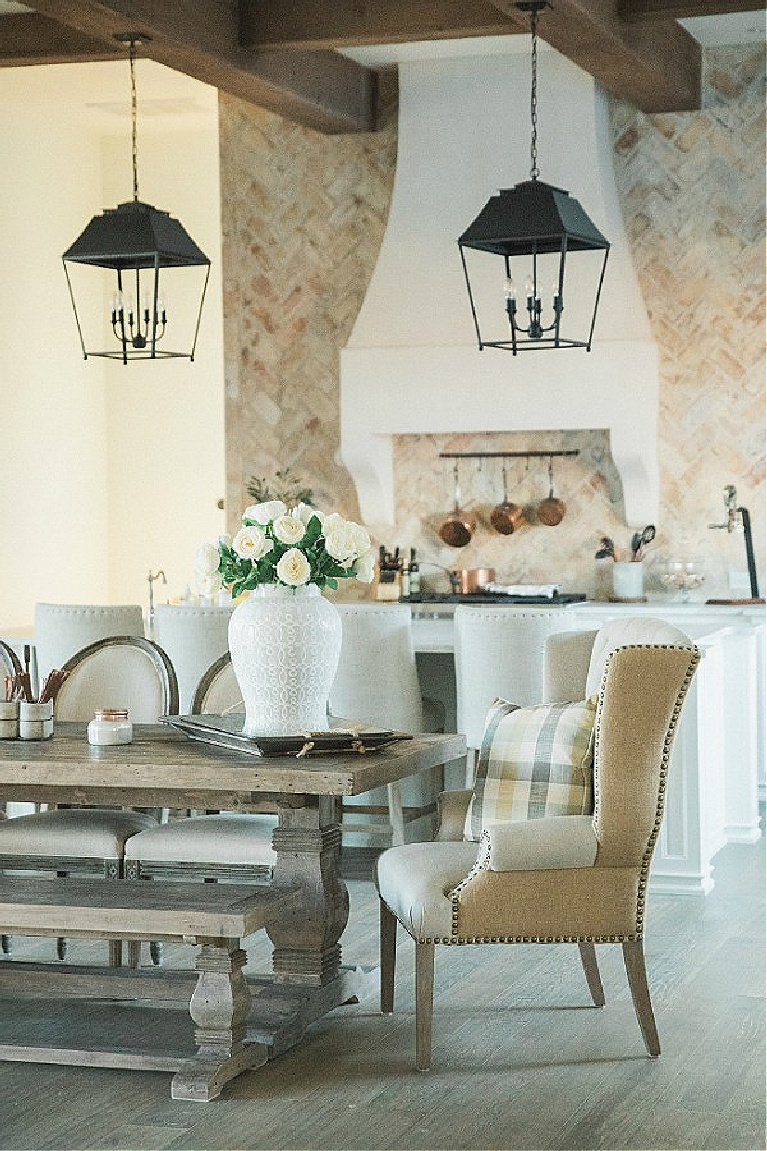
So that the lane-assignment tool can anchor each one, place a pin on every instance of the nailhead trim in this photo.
(481, 863)
(465, 939)
(644, 868)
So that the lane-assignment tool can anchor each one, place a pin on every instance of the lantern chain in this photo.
(534, 171)
(134, 154)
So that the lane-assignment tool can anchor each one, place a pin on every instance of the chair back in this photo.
(193, 637)
(642, 692)
(62, 629)
(377, 678)
(120, 671)
(498, 652)
(633, 629)
(9, 661)
(218, 690)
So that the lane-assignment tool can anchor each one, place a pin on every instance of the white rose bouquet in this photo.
(292, 547)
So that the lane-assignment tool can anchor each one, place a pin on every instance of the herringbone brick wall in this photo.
(303, 219)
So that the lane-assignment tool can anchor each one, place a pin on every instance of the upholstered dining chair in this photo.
(63, 629)
(207, 848)
(377, 683)
(11, 665)
(120, 671)
(193, 637)
(545, 868)
(498, 652)
(9, 661)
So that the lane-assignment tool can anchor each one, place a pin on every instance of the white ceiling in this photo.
(734, 28)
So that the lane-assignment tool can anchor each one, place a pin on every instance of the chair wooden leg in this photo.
(424, 1003)
(155, 953)
(633, 957)
(115, 952)
(388, 953)
(134, 953)
(471, 766)
(396, 814)
(591, 971)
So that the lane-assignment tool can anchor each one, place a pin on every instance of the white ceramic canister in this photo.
(628, 580)
(36, 720)
(110, 726)
(9, 719)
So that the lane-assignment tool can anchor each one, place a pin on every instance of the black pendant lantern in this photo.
(534, 227)
(136, 241)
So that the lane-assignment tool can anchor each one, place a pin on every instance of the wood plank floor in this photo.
(520, 1058)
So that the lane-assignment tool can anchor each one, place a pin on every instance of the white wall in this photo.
(105, 470)
(53, 506)
(165, 419)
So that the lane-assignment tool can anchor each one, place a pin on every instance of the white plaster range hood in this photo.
(412, 364)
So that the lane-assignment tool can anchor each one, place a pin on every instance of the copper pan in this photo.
(506, 517)
(551, 511)
(465, 581)
(457, 529)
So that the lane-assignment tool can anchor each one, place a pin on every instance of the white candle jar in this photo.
(110, 726)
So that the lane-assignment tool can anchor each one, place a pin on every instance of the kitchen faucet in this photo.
(150, 580)
(455, 579)
(738, 519)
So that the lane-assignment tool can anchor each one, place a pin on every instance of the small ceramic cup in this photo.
(36, 720)
(9, 719)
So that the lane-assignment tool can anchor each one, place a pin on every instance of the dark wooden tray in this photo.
(226, 731)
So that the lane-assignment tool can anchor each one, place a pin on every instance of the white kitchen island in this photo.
(718, 765)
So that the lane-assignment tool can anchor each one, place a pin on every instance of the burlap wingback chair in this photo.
(564, 879)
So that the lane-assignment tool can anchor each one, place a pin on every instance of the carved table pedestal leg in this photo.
(219, 1006)
(306, 937)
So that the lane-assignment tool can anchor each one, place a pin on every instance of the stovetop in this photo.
(560, 598)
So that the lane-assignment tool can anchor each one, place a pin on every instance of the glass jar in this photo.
(110, 725)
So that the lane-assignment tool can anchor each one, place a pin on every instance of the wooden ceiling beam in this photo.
(29, 38)
(308, 24)
(632, 10)
(321, 90)
(656, 66)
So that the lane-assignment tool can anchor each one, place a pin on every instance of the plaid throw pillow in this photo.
(534, 762)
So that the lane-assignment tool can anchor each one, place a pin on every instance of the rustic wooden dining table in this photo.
(163, 769)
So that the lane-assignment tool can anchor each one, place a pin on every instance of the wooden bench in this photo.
(214, 916)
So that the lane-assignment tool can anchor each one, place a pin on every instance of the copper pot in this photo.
(506, 517)
(465, 581)
(551, 511)
(458, 528)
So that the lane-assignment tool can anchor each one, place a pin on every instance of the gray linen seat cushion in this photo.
(415, 882)
(227, 838)
(84, 832)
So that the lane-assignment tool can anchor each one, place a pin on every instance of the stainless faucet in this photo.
(150, 580)
(738, 519)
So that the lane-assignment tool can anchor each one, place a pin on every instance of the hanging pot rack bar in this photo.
(506, 455)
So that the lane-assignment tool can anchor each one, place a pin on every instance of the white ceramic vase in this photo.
(285, 646)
